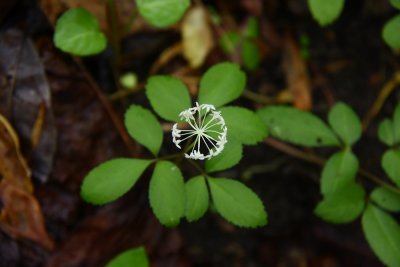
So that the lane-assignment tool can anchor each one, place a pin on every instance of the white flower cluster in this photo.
(204, 120)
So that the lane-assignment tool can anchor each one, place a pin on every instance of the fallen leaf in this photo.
(197, 37)
(296, 75)
(21, 215)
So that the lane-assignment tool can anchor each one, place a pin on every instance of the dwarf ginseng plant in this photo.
(205, 132)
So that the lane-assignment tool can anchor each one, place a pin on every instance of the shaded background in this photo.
(67, 114)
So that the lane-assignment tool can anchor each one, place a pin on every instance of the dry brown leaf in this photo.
(197, 37)
(296, 75)
(21, 216)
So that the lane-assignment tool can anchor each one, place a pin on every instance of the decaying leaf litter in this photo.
(52, 108)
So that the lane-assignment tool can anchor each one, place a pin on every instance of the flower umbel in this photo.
(207, 128)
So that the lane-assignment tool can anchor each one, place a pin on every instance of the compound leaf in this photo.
(342, 206)
(391, 165)
(339, 170)
(383, 235)
(386, 199)
(77, 32)
(168, 96)
(111, 179)
(222, 83)
(237, 203)
(133, 257)
(229, 157)
(297, 127)
(251, 133)
(144, 127)
(197, 199)
(325, 11)
(345, 123)
(167, 193)
(162, 13)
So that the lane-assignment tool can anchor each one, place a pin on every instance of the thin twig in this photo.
(118, 124)
(384, 93)
(312, 158)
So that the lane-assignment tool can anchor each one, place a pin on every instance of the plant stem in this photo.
(257, 98)
(384, 93)
(312, 158)
(118, 124)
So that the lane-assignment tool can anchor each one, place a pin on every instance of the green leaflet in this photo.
(162, 13)
(229, 157)
(197, 199)
(221, 84)
(111, 179)
(325, 11)
(339, 170)
(297, 127)
(386, 199)
(345, 122)
(383, 235)
(390, 32)
(77, 32)
(244, 125)
(342, 206)
(391, 165)
(133, 257)
(144, 127)
(167, 193)
(237, 203)
(168, 96)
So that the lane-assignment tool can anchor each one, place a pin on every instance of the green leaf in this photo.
(391, 165)
(229, 41)
(168, 96)
(244, 125)
(297, 127)
(144, 127)
(196, 198)
(342, 206)
(386, 132)
(345, 123)
(237, 203)
(221, 84)
(162, 13)
(390, 32)
(252, 29)
(111, 179)
(167, 193)
(325, 11)
(339, 170)
(386, 199)
(250, 55)
(133, 257)
(77, 32)
(229, 157)
(396, 124)
(383, 235)
(395, 3)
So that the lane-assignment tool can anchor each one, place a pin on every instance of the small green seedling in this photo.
(244, 41)
(206, 131)
(344, 199)
(391, 29)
